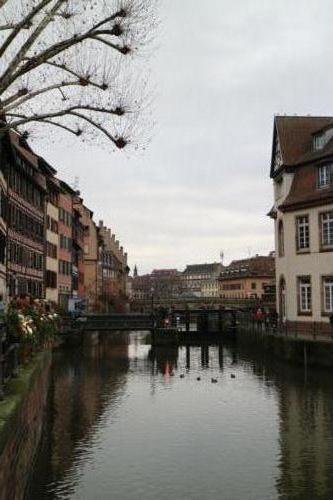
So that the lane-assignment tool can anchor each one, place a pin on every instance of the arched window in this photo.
(282, 299)
(280, 238)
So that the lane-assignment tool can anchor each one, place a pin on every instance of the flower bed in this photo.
(31, 321)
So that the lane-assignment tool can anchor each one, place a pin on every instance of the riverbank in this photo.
(21, 419)
(295, 349)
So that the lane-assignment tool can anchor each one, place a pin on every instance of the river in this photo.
(127, 421)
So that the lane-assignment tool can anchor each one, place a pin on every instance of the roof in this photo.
(203, 268)
(260, 265)
(304, 191)
(295, 135)
(164, 272)
(22, 146)
(66, 188)
(296, 138)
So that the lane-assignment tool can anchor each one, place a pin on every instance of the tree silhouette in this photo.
(62, 65)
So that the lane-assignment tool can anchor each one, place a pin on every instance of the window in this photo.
(325, 175)
(280, 238)
(65, 242)
(318, 142)
(2, 248)
(326, 226)
(51, 250)
(254, 286)
(51, 279)
(304, 295)
(65, 267)
(328, 294)
(303, 233)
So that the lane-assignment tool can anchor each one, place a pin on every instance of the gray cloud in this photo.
(222, 70)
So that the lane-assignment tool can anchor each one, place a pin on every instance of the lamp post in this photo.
(152, 290)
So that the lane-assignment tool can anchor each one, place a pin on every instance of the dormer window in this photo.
(320, 140)
(325, 175)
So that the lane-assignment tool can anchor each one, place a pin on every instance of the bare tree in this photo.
(61, 64)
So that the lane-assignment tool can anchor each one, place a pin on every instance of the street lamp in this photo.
(152, 299)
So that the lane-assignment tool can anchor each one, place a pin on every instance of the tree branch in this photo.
(76, 132)
(120, 142)
(25, 23)
(7, 103)
(6, 79)
(56, 49)
(2, 3)
(85, 79)
(63, 112)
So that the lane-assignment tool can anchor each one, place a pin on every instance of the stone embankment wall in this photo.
(21, 422)
(293, 347)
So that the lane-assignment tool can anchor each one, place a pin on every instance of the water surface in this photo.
(127, 421)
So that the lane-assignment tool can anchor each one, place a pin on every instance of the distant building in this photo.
(302, 173)
(112, 281)
(201, 280)
(142, 287)
(91, 264)
(247, 278)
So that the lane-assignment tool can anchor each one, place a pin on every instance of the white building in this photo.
(202, 279)
(302, 173)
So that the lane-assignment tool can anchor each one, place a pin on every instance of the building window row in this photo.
(304, 293)
(2, 248)
(23, 256)
(65, 217)
(65, 267)
(28, 169)
(26, 188)
(303, 233)
(65, 242)
(52, 224)
(25, 224)
(23, 286)
(53, 197)
(232, 286)
(3, 204)
(51, 250)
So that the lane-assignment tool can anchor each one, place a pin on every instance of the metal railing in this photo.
(304, 331)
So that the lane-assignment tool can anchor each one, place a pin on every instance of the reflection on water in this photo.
(127, 420)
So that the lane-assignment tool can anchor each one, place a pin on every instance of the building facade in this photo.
(65, 245)
(52, 238)
(247, 278)
(91, 264)
(112, 278)
(3, 219)
(302, 174)
(26, 202)
(77, 249)
(201, 280)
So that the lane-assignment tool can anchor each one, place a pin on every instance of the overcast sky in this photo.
(221, 70)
